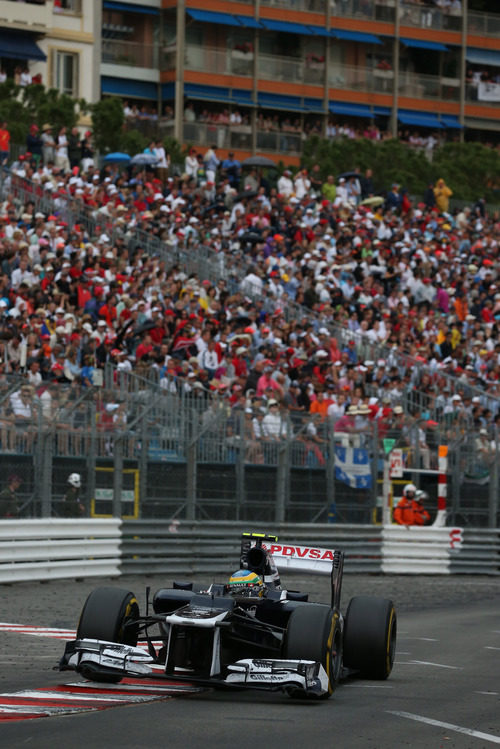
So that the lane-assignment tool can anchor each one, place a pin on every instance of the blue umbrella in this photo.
(117, 158)
(144, 159)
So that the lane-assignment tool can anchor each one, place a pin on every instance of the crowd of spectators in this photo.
(371, 272)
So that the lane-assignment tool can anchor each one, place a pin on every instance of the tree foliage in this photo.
(107, 124)
(22, 106)
(471, 170)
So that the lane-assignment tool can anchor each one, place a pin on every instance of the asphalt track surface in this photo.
(444, 690)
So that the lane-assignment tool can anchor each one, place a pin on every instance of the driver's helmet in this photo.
(421, 496)
(409, 489)
(246, 583)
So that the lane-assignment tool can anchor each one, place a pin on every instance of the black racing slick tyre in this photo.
(370, 636)
(109, 614)
(314, 634)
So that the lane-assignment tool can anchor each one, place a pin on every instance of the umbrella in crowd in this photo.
(373, 201)
(116, 158)
(258, 161)
(348, 175)
(144, 159)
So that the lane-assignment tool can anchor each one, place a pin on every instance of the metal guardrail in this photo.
(58, 549)
(215, 547)
(206, 547)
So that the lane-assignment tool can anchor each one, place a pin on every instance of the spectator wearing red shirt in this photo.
(108, 310)
(4, 144)
(239, 363)
(145, 347)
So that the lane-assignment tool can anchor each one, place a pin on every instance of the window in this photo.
(65, 78)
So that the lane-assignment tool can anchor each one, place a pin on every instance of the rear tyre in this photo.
(314, 634)
(109, 614)
(370, 636)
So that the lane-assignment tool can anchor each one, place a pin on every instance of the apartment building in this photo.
(56, 42)
(257, 75)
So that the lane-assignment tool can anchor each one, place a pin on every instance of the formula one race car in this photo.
(246, 633)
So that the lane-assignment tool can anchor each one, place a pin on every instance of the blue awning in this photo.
(314, 105)
(423, 44)
(206, 93)
(450, 121)
(289, 28)
(168, 91)
(243, 97)
(128, 88)
(319, 31)
(420, 119)
(355, 36)
(19, 46)
(383, 111)
(352, 110)
(277, 101)
(209, 16)
(249, 22)
(483, 56)
(130, 8)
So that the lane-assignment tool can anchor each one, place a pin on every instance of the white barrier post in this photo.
(440, 520)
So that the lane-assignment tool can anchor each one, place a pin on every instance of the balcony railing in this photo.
(311, 6)
(129, 53)
(483, 23)
(428, 17)
(34, 17)
(240, 137)
(354, 78)
(235, 62)
(73, 7)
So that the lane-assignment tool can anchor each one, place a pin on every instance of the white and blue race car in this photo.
(247, 633)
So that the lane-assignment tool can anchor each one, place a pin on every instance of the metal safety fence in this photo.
(146, 450)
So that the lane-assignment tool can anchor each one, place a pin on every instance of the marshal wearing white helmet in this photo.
(410, 510)
(74, 479)
(72, 506)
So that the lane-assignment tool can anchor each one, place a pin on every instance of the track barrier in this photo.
(34, 550)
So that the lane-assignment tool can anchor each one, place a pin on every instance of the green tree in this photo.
(132, 142)
(471, 170)
(107, 124)
(20, 107)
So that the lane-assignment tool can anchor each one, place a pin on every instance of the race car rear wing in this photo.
(263, 553)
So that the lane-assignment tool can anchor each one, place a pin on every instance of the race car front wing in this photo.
(98, 659)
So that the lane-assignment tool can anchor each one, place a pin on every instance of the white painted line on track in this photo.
(367, 686)
(490, 694)
(422, 639)
(449, 726)
(490, 647)
(428, 663)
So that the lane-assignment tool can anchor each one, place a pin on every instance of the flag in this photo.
(352, 466)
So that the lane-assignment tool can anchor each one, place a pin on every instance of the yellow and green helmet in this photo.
(246, 583)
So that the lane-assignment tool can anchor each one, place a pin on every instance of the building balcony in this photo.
(310, 6)
(414, 85)
(26, 16)
(483, 24)
(239, 137)
(69, 7)
(131, 54)
(429, 17)
(235, 62)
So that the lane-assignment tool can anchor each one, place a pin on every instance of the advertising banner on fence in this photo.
(488, 91)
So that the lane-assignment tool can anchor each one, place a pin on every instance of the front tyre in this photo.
(370, 636)
(109, 614)
(314, 634)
